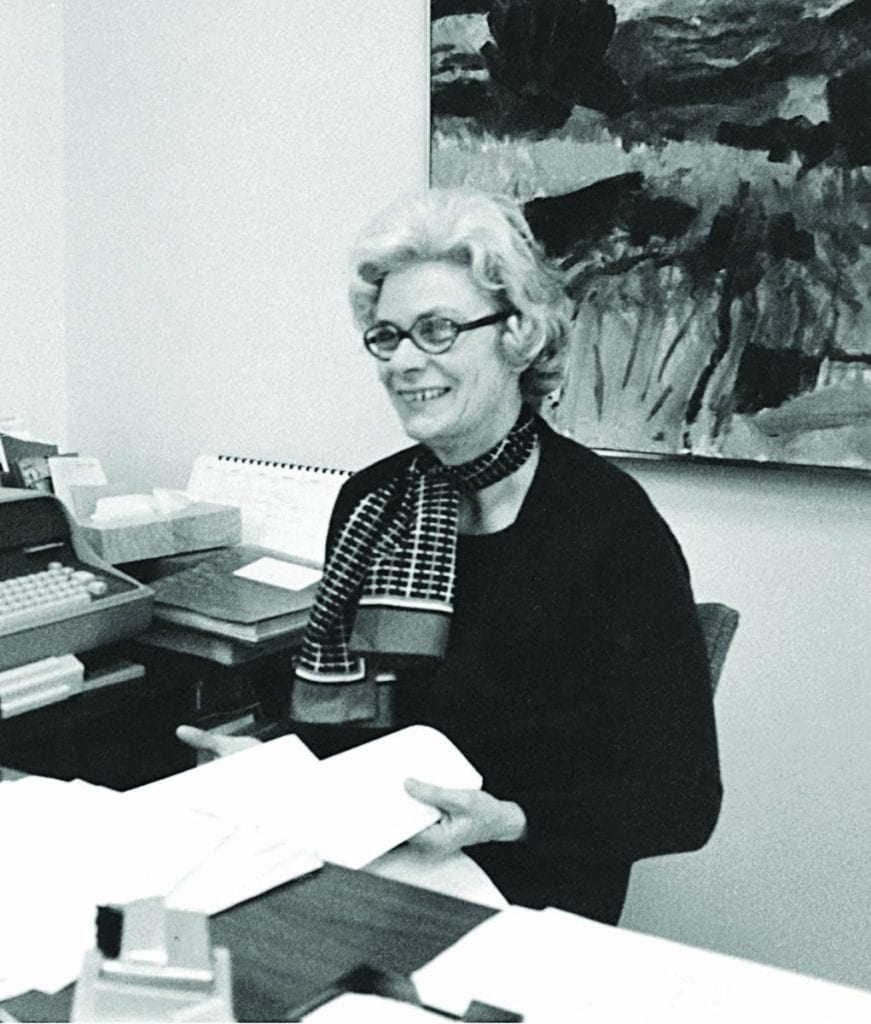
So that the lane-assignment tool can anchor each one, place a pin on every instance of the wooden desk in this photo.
(290, 944)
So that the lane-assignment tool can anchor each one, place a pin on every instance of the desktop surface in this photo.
(292, 944)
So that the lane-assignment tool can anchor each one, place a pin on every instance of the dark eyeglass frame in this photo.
(374, 347)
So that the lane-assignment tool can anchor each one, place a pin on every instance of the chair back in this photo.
(719, 623)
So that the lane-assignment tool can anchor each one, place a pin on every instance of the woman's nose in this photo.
(407, 356)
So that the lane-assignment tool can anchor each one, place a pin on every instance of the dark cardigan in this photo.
(575, 680)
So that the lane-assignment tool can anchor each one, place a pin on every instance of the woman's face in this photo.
(460, 403)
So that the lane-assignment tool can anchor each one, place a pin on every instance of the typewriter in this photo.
(57, 596)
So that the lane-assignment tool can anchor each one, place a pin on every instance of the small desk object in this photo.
(199, 526)
(152, 963)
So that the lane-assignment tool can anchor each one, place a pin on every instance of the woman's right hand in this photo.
(213, 745)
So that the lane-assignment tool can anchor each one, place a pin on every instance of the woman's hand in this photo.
(469, 816)
(211, 744)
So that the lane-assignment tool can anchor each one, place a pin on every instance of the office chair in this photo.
(719, 623)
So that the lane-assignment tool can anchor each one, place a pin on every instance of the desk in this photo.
(121, 734)
(117, 732)
(290, 944)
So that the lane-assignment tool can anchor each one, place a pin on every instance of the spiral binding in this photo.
(240, 460)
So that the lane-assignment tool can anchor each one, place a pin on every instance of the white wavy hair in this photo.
(490, 236)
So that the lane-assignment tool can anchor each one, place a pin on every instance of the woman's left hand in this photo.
(469, 816)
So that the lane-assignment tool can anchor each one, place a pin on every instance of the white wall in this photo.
(220, 158)
(786, 877)
(32, 356)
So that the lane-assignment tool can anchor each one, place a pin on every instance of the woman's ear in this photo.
(523, 341)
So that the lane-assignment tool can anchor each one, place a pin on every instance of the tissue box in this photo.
(194, 528)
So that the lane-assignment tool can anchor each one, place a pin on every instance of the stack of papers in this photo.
(205, 839)
(67, 848)
(349, 809)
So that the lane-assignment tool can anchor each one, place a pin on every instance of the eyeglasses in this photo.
(432, 334)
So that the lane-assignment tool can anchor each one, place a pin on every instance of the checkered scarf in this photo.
(388, 586)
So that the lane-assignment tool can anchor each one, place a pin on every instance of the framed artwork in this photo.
(702, 172)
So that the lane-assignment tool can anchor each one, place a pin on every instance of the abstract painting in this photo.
(702, 173)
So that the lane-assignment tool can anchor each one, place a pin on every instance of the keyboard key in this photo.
(43, 613)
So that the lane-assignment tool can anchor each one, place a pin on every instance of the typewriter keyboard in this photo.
(41, 597)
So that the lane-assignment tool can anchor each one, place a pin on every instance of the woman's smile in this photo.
(419, 396)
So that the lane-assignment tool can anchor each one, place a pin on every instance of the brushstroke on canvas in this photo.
(703, 174)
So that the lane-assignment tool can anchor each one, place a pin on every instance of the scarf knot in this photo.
(386, 596)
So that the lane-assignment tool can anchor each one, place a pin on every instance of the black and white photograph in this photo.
(435, 510)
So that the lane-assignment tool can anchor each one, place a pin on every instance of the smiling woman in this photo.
(489, 237)
(463, 401)
(504, 584)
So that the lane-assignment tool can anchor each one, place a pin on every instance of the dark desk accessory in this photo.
(151, 964)
(27, 462)
(393, 985)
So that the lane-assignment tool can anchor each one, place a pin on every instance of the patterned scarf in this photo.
(388, 586)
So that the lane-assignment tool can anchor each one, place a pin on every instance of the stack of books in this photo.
(246, 593)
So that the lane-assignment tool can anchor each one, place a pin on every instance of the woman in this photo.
(520, 593)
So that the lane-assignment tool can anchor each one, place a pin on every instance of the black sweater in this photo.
(576, 681)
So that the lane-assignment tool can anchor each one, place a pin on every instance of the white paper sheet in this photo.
(456, 875)
(473, 967)
(253, 785)
(370, 812)
(547, 964)
(249, 862)
(276, 573)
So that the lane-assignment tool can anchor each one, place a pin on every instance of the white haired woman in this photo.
(504, 584)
